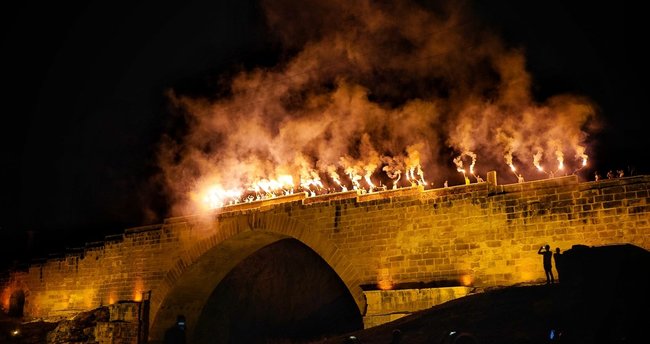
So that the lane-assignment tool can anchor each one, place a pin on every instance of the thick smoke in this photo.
(389, 92)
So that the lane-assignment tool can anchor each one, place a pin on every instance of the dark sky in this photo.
(84, 103)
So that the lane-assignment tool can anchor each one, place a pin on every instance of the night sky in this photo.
(84, 103)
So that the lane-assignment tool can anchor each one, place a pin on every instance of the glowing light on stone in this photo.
(466, 280)
(384, 280)
(137, 290)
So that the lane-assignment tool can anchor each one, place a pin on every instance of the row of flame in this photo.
(216, 196)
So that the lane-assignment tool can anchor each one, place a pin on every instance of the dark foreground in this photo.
(603, 298)
(523, 314)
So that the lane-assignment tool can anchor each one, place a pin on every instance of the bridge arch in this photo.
(17, 303)
(193, 281)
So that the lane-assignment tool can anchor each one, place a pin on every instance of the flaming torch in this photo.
(459, 167)
(520, 178)
(536, 160)
(421, 175)
(580, 153)
(217, 197)
(410, 176)
(354, 178)
(560, 160)
(335, 177)
(370, 168)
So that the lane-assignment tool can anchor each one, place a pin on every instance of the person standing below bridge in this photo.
(176, 333)
(548, 268)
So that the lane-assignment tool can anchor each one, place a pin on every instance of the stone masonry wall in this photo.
(478, 234)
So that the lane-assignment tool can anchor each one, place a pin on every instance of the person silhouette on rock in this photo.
(548, 266)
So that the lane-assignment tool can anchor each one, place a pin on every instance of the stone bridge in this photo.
(336, 260)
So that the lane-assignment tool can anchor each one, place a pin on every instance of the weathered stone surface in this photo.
(79, 329)
(388, 305)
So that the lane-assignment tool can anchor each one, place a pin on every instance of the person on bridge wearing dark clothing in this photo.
(548, 267)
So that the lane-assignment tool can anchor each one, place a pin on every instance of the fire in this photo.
(112, 298)
(138, 288)
(340, 112)
(458, 161)
(536, 160)
(6, 296)
(360, 177)
(466, 280)
(384, 279)
(216, 196)
(560, 159)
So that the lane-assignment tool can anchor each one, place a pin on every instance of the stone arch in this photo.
(17, 303)
(210, 260)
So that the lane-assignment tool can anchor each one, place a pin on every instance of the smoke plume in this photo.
(372, 92)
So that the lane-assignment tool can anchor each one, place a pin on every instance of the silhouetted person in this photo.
(610, 174)
(548, 267)
(176, 333)
(596, 176)
(557, 258)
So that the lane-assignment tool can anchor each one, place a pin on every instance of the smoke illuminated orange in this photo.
(348, 109)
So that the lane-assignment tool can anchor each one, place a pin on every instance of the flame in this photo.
(138, 288)
(216, 196)
(580, 153)
(458, 161)
(466, 280)
(384, 279)
(335, 176)
(459, 164)
(560, 159)
(421, 176)
(6, 296)
(395, 183)
(354, 178)
(536, 160)
(112, 298)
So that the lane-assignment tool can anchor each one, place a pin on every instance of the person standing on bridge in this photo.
(548, 268)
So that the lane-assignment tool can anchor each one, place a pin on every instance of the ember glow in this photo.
(367, 101)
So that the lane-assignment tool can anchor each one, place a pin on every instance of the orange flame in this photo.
(384, 280)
